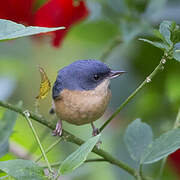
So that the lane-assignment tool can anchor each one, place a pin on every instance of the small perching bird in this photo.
(81, 93)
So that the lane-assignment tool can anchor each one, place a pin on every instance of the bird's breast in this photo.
(82, 107)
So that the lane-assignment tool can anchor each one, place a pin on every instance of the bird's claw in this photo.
(95, 132)
(58, 129)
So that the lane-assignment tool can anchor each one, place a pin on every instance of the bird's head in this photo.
(83, 75)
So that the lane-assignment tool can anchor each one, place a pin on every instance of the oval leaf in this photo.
(166, 144)
(165, 30)
(137, 137)
(22, 169)
(176, 54)
(6, 127)
(160, 45)
(12, 30)
(79, 156)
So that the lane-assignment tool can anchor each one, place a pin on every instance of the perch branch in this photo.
(71, 138)
(146, 81)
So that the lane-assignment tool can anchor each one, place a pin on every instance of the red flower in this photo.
(54, 13)
(19, 11)
(174, 159)
(57, 13)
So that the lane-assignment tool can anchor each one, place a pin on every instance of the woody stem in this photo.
(71, 138)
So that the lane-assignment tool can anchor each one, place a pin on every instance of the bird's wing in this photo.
(57, 88)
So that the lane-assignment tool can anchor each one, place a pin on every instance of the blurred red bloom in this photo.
(54, 13)
(174, 159)
(19, 11)
(57, 13)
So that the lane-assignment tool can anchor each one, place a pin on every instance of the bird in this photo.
(81, 93)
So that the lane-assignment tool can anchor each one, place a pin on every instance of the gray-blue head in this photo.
(82, 75)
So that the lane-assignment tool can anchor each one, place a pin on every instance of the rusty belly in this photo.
(81, 107)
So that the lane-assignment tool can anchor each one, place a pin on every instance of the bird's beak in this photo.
(114, 74)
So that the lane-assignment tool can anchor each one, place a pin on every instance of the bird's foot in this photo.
(95, 130)
(58, 129)
(95, 133)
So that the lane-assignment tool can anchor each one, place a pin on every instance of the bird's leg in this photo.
(58, 129)
(95, 130)
(95, 133)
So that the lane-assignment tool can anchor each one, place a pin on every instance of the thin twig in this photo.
(162, 168)
(146, 81)
(71, 138)
(177, 122)
(49, 149)
(27, 115)
(87, 161)
(141, 170)
(34, 146)
(163, 163)
(109, 50)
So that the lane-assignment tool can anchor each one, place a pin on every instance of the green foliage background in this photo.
(156, 104)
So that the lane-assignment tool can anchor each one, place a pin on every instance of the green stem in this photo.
(71, 138)
(109, 50)
(87, 161)
(177, 122)
(147, 80)
(176, 125)
(34, 147)
(27, 115)
(49, 149)
(141, 170)
(162, 167)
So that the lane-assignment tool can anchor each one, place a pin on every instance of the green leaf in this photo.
(79, 156)
(6, 127)
(22, 169)
(4, 148)
(137, 137)
(12, 30)
(160, 45)
(176, 54)
(165, 30)
(166, 144)
(7, 178)
(175, 33)
(157, 34)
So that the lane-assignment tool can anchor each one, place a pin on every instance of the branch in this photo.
(109, 50)
(71, 138)
(27, 115)
(49, 149)
(87, 161)
(146, 81)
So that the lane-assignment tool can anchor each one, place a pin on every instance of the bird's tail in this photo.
(51, 111)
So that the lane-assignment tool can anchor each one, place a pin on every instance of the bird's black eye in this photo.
(96, 77)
